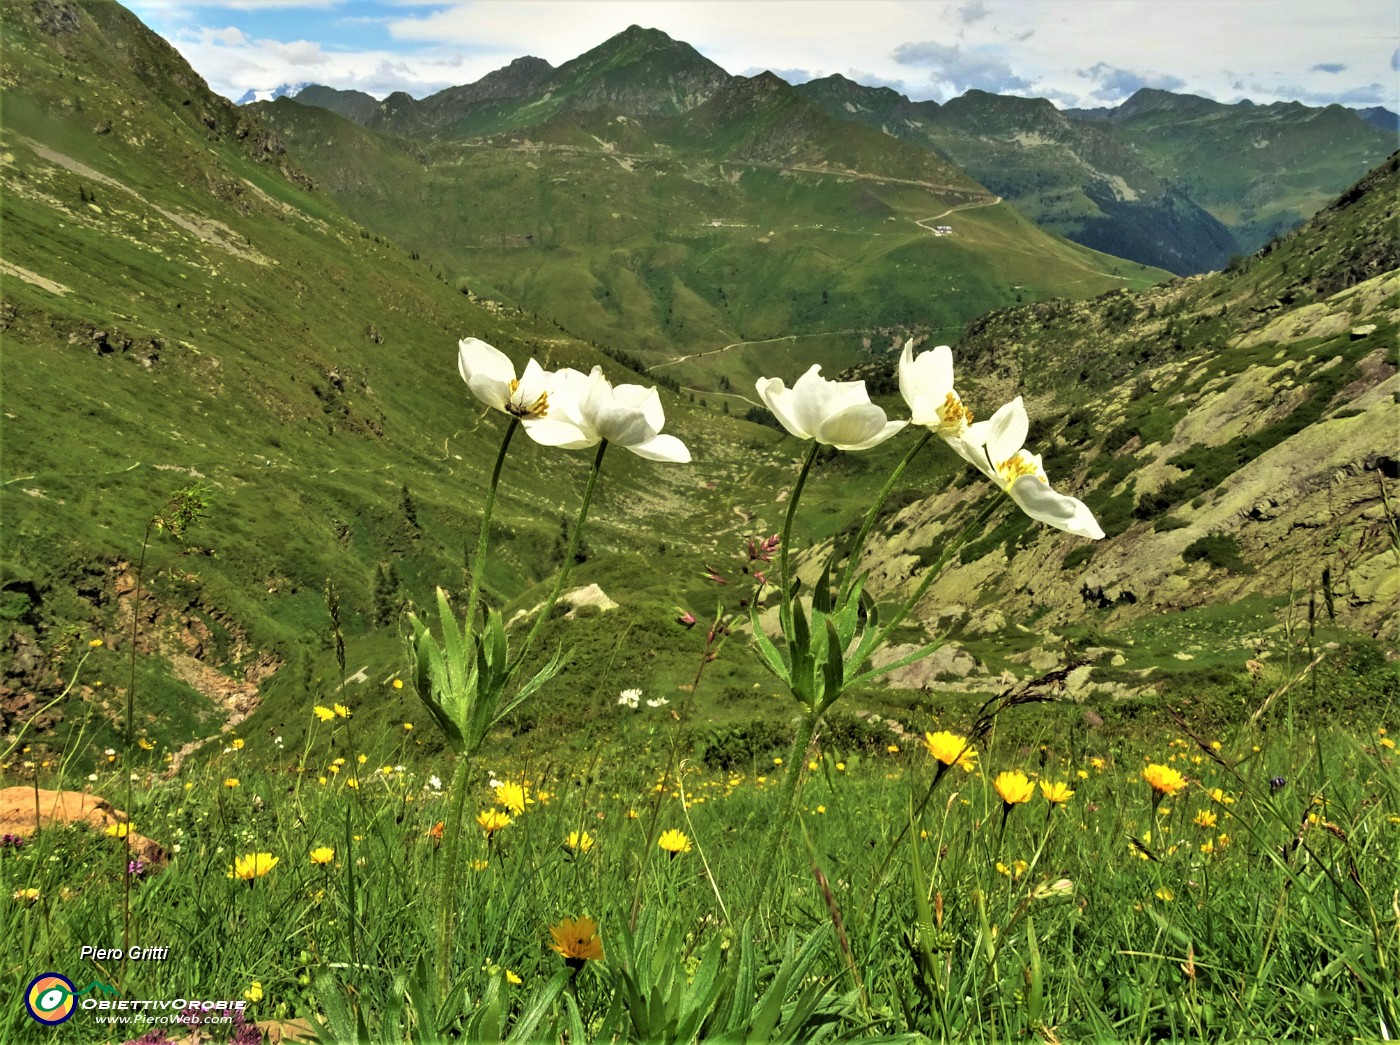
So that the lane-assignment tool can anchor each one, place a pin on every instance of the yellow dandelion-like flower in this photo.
(480, 865)
(322, 855)
(513, 979)
(341, 711)
(28, 895)
(892, 749)
(513, 796)
(951, 750)
(1220, 797)
(1056, 794)
(674, 841)
(577, 941)
(1164, 780)
(231, 781)
(324, 714)
(492, 820)
(253, 865)
(145, 745)
(236, 743)
(408, 727)
(579, 842)
(119, 830)
(254, 992)
(1165, 895)
(1205, 818)
(353, 783)
(398, 683)
(1013, 787)
(1387, 743)
(1097, 763)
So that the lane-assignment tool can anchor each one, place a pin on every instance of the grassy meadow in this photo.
(1251, 899)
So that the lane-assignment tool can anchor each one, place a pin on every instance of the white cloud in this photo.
(956, 70)
(1042, 47)
(1114, 84)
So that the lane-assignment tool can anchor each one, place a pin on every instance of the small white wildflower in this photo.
(629, 698)
(109, 751)
(434, 782)
(657, 702)
(92, 776)
(277, 741)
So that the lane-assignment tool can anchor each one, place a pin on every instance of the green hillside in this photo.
(1073, 178)
(185, 304)
(751, 217)
(1299, 157)
(181, 308)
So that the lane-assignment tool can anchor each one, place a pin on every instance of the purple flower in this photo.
(8, 841)
(136, 868)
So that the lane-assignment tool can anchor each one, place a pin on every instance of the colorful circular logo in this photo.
(49, 998)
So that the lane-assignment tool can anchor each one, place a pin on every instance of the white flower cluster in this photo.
(630, 698)
(840, 414)
(568, 409)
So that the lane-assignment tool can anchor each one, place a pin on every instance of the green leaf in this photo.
(834, 670)
(771, 658)
(539, 1004)
(918, 654)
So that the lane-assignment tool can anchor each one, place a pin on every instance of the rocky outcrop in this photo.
(26, 810)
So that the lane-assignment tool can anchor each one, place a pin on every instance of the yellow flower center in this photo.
(538, 408)
(953, 417)
(1017, 465)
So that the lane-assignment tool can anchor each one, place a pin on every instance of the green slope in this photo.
(180, 308)
(1073, 178)
(751, 217)
(1298, 157)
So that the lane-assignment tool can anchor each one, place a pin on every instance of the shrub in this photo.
(1218, 549)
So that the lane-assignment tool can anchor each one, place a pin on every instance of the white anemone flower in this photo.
(836, 413)
(926, 383)
(997, 448)
(587, 410)
(490, 375)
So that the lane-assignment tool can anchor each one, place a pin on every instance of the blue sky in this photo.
(1074, 52)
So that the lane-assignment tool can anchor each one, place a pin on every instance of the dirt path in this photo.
(206, 229)
(921, 222)
(34, 278)
(740, 344)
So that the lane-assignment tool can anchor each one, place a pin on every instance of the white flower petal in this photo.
(1040, 502)
(552, 431)
(1006, 431)
(663, 448)
(857, 427)
(925, 382)
(491, 390)
(487, 371)
(777, 398)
